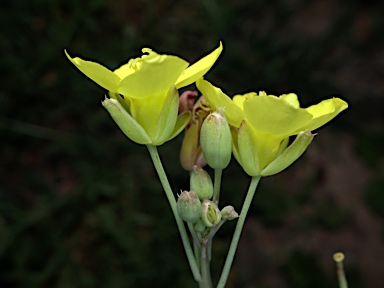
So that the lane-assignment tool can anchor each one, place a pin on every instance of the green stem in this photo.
(216, 185)
(196, 250)
(196, 243)
(236, 235)
(172, 202)
(194, 234)
(341, 275)
(206, 281)
(215, 199)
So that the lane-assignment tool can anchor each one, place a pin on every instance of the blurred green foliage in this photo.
(80, 205)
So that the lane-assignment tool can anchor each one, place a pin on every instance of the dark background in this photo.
(81, 205)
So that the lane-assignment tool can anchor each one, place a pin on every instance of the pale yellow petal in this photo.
(324, 112)
(125, 70)
(182, 121)
(198, 69)
(291, 99)
(269, 114)
(239, 99)
(96, 72)
(217, 99)
(154, 75)
(166, 121)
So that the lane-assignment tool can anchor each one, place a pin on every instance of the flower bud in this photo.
(211, 215)
(200, 226)
(201, 183)
(289, 155)
(189, 206)
(216, 140)
(229, 213)
(191, 153)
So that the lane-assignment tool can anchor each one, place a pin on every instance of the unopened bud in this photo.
(201, 183)
(229, 213)
(189, 206)
(216, 140)
(211, 215)
(200, 226)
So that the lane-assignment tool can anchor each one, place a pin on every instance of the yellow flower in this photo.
(143, 92)
(261, 125)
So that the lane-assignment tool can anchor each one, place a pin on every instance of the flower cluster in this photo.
(143, 99)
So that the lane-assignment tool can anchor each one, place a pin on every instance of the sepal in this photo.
(126, 122)
(290, 155)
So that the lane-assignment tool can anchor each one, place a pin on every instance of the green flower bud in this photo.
(216, 140)
(189, 206)
(211, 215)
(289, 155)
(229, 213)
(201, 183)
(200, 226)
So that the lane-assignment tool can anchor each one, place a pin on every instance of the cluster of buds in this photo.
(204, 213)
(207, 140)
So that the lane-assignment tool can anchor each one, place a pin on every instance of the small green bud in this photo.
(289, 155)
(216, 140)
(200, 226)
(211, 215)
(189, 206)
(201, 183)
(229, 213)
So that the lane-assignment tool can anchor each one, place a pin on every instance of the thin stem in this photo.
(341, 276)
(206, 281)
(216, 185)
(339, 258)
(215, 199)
(236, 235)
(172, 202)
(197, 251)
(194, 234)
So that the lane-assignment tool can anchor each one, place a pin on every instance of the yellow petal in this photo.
(166, 121)
(235, 146)
(198, 69)
(147, 111)
(324, 112)
(96, 72)
(182, 121)
(239, 99)
(125, 70)
(291, 99)
(154, 75)
(271, 115)
(217, 99)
